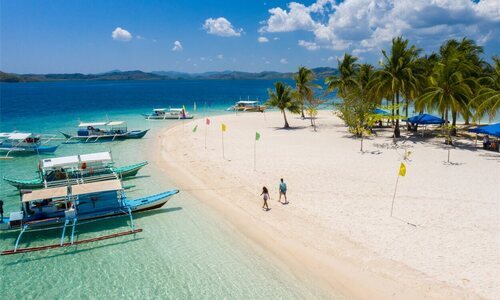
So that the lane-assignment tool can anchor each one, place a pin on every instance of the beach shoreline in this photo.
(330, 255)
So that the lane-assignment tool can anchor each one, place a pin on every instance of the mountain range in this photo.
(320, 72)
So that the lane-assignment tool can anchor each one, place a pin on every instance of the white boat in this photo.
(248, 105)
(95, 132)
(169, 114)
(25, 143)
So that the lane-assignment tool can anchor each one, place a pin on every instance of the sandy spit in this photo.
(443, 241)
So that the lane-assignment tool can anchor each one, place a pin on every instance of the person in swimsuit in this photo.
(265, 194)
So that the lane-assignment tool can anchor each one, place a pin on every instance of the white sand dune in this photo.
(337, 232)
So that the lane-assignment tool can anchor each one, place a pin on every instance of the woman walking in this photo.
(265, 194)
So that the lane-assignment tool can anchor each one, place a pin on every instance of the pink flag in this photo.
(208, 121)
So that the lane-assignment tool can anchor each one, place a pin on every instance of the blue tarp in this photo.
(425, 119)
(493, 129)
(379, 111)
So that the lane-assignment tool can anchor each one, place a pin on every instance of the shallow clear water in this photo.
(185, 251)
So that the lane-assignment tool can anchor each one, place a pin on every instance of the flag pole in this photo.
(394, 196)
(223, 157)
(206, 127)
(255, 154)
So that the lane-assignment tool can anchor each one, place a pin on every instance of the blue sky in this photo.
(197, 36)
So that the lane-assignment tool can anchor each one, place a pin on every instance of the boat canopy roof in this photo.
(115, 123)
(15, 135)
(92, 157)
(51, 193)
(159, 109)
(87, 124)
(95, 124)
(247, 102)
(59, 161)
(65, 161)
(96, 187)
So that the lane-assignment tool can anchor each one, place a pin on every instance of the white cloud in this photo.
(276, 38)
(331, 58)
(311, 46)
(365, 26)
(283, 61)
(177, 46)
(139, 37)
(221, 27)
(120, 34)
(263, 39)
(220, 56)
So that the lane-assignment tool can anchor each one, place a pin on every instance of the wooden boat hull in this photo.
(153, 117)
(37, 183)
(29, 150)
(138, 205)
(134, 134)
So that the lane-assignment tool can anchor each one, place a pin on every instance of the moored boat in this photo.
(25, 143)
(95, 132)
(74, 168)
(168, 114)
(66, 207)
(248, 106)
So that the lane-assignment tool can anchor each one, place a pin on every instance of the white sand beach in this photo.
(337, 232)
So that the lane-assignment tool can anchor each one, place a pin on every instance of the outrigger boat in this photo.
(65, 207)
(72, 169)
(169, 114)
(103, 131)
(25, 143)
(250, 106)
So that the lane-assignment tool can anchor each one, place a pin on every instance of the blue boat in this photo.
(25, 143)
(65, 207)
(95, 132)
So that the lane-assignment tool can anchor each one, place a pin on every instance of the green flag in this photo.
(257, 136)
(195, 127)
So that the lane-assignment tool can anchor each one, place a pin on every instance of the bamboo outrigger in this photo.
(65, 207)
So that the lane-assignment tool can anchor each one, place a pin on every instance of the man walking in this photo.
(282, 189)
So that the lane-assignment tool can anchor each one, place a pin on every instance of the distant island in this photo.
(320, 72)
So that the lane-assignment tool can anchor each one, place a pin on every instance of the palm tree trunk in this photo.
(397, 133)
(392, 101)
(286, 121)
(454, 122)
(407, 103)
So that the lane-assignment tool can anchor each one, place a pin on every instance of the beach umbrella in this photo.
(493, 129)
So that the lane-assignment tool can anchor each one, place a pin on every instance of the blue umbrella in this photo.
(425, 119)
(493, 129)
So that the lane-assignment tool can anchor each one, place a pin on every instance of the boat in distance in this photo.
(75, 168)
(248, 106)
(94, 132)
(66, 207)
(168, 114)
(25, 143)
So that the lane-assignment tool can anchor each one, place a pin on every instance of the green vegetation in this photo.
(284, 99)
(455, 81)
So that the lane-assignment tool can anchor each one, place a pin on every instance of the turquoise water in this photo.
(185, 252)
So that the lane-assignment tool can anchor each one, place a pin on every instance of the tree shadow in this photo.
(291, 128)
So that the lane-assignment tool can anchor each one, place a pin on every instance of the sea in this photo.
(186, 250)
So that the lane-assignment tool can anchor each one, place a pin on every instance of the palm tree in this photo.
(347, 68)
(283, 98)
(449, 89)
(397, 76)
(304, 86)
(487, 99)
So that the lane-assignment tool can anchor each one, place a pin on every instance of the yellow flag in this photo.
(402, 170)
(223, 127)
